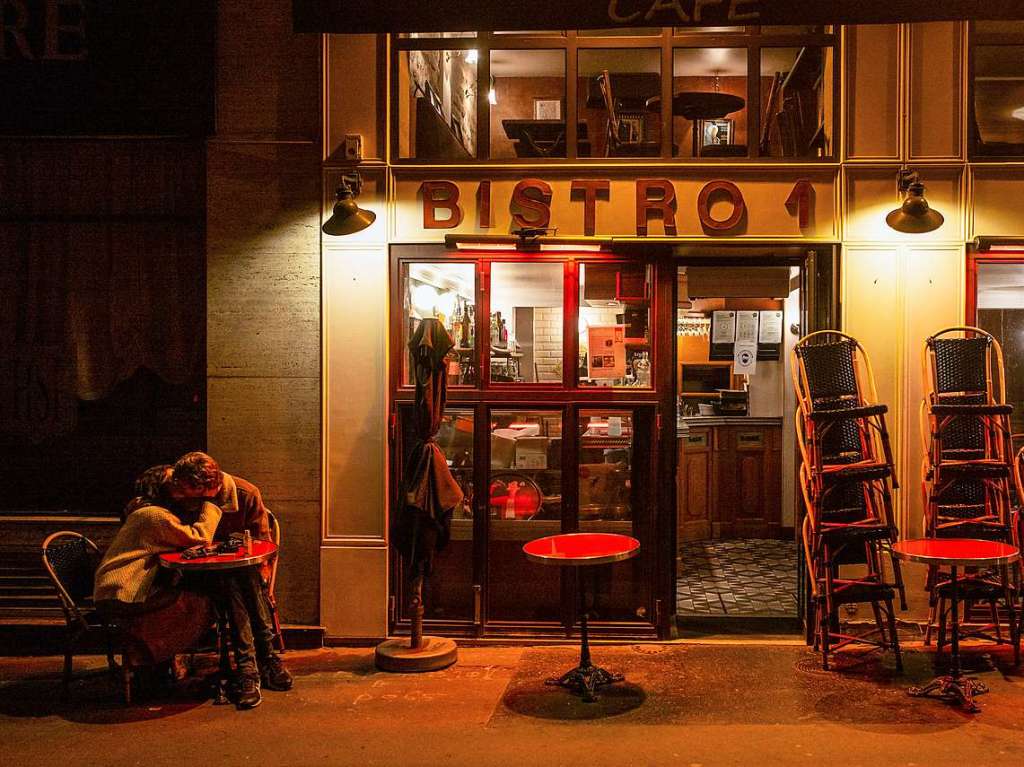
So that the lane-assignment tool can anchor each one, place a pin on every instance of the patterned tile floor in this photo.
(750, 577)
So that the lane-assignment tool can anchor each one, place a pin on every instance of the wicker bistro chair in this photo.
(70, 560)
(966, 474)
(827, 550)
(843, 425)
(848, 468)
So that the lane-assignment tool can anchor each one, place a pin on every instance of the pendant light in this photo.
(348, 217)
(914, 216)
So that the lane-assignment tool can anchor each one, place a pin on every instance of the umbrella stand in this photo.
(418, 653)
(431, 493)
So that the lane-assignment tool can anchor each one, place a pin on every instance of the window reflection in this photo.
(616, 86)
(614, 325)
(1000, 310)
(527, 98)
(999, 100)
(526, 476)
(437, 104)
(446, 291)
(606, 468)
(525, 326)
(796, 101)
(709, 99)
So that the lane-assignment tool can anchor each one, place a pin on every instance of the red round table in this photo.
(579, 550)
(954, 553)
(259, 553)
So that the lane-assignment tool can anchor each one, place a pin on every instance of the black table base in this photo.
(954, 686)
(955, 689)
(586, 678)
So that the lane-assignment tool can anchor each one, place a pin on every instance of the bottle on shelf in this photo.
(457, 321)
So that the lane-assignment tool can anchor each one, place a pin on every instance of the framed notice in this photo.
(723, 335)
(769, 335)
(606, 347)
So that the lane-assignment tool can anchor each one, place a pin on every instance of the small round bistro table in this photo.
(955, 553)
(260, 552)
(579, 550)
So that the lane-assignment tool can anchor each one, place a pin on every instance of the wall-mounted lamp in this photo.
(348, 217)
(914, 216)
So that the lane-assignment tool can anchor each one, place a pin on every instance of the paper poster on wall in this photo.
(744, 358)
(771, 328)
(606, 346)
(723, 327)
(746, 327)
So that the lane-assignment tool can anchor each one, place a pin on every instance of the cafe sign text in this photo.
(654, 198)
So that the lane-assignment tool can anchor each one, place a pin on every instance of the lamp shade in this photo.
(914, 216)
(348, 217)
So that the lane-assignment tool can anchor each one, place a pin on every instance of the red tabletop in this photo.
(573, 549)
(261, 552)
(968, 552)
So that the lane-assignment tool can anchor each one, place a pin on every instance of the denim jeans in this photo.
(240, 596)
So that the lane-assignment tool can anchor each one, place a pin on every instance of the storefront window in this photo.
(709, 102)
(437, 104)
(606, 470)
(614, 325)
(796, 100)
(448, 591)
(525, 324)
(1000, 311)
(617, 89)
(446, 291)
(527, 100)
(519, 78)
(998, 95)
(525, 502)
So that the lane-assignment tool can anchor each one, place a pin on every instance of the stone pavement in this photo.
(730, 703)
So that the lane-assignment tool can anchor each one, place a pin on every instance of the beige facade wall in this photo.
(903, 103)
(263, 279)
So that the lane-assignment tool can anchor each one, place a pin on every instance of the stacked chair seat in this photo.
(966, 474)
(846, 478)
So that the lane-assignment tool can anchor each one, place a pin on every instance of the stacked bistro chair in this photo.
(846, 478)
(966, 476)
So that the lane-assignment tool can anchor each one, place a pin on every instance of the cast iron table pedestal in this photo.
(955, 552)
(580, 550)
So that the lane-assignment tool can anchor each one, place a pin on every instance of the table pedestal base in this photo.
(956, 689)
(585, 681)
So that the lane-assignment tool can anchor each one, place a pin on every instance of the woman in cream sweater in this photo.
(132, 590)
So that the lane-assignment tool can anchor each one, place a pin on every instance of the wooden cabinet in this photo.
(694, 486)
(748, 463)
(729, 482)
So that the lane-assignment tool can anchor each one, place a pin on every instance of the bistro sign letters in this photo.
(530, 204)
(376, 16)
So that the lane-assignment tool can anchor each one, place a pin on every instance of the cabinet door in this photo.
(693, 496)
(754, 473)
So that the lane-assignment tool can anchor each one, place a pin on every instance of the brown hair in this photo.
(197, 470)
(152, 483)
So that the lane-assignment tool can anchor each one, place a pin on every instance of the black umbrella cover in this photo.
(429, 491)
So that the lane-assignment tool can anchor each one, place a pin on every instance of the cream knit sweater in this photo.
(129, 567)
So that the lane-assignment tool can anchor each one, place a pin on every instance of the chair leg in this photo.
(932, 619)
(995, 620)
(826, 631)
(878, 623)
(942, 626)
(1011, 619)
(126, 681)
(65, 687)
(893, 636)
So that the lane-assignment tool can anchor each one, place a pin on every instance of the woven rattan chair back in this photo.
(70, 559)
